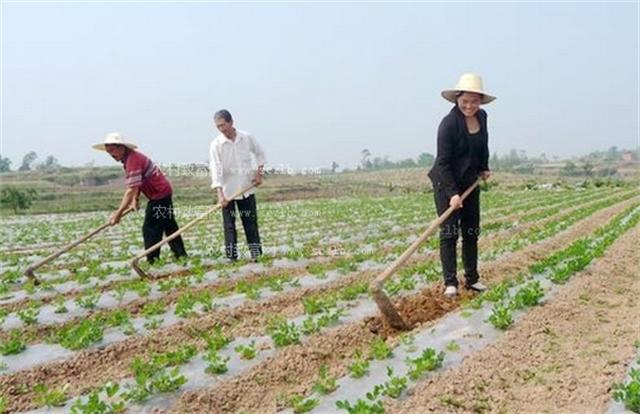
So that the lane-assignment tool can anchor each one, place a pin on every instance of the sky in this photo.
(314, 82)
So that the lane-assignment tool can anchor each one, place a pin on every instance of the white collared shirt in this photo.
(231, 164)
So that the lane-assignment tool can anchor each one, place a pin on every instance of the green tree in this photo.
(425, 159)
(5, 164)
(27, 160)
(17, 199)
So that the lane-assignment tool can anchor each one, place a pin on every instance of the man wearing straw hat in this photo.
(231, 166)
(143, 176)
(462, 157)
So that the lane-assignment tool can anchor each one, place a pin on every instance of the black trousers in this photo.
(465, 221)
(159, 220)
(248, 215)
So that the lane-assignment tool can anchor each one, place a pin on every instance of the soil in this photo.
(562, 357)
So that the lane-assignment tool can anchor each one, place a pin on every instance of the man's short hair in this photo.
(223, 114)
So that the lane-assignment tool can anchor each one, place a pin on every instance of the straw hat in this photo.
(468, 82)
(114, 138)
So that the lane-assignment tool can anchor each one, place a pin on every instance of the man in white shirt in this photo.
(232, 168)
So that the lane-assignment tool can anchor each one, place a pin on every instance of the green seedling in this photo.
(14, 345)
(80, 335)
(392, 388)
(216, 339)
(283, 333)
(528, 295)
(361, 407)
(629, 393)
(51, 398)
(89, 300)
(360, 367)
(325, 384)
(380, 350)
(501, 316)
(247, 351)
(302, 405)
(429, 360)
(217, 363)
(153, 308)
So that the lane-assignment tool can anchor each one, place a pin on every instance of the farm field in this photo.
(298, 332)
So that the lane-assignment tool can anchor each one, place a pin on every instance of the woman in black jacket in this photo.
(462, 156)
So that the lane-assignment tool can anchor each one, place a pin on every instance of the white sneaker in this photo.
(478, 287)
(451, 291)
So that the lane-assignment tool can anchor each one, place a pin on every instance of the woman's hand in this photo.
(485, 174)
(455, 202)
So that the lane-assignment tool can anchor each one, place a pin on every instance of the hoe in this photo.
(134, 262)
(389, 312)
(29, 272)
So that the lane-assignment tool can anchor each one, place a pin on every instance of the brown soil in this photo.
(91, 368)
(562, 357)
(427, 306)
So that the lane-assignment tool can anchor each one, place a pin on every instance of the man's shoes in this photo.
(450, 291)
(477, 287)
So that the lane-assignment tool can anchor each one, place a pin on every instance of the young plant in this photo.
(180, 356)
(94, 405)
(353, 291)
(51, 398)
(301, 405)
(118, 317)
(89, 300)
(247, 351)
(501, 316)
(361, 407)
(13, 346)
(283, 333)
(153, 323)
(429, 360)
(360, 367)
(497, 293)
(29, 316)
(392, 388)
(528, 295)
(153, 308)
(217, 363)
(380, 350)
(185, 304)
(629, 393)
(216, 339)
(80, 335)
(61, 306)
(325, 383)
(251, 290)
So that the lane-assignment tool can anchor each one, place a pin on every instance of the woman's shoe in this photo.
(478, 287)
(450, 291)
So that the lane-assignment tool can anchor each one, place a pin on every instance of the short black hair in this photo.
(223, 114)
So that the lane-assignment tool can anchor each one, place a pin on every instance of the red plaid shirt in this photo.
(142, 173)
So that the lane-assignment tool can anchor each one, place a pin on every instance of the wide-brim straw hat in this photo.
(468, 82)
(114, 138)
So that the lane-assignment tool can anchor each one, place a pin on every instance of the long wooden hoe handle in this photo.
(29, 271)
(136, 259)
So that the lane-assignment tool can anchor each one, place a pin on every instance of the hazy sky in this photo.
(314, 82)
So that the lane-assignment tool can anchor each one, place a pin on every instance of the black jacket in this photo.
(451, 170)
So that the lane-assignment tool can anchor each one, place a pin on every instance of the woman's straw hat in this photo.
(468, 82)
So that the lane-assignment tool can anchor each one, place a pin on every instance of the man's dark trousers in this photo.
(159, 219)
(246, 208)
